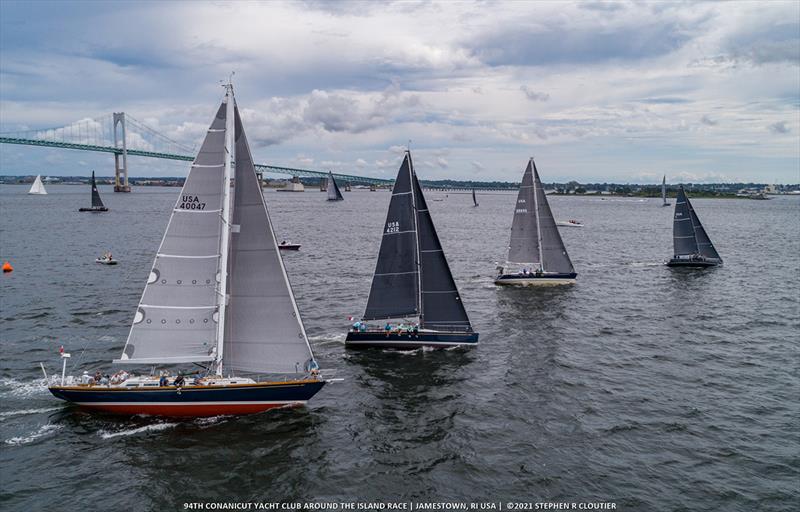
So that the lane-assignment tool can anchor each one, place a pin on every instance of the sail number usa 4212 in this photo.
(191, 203)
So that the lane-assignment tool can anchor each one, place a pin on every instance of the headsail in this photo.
(689, 236)
(38, 187)
(441, 306)
(395, 284)
(96, 201)
(334, 194)
(554, 254)
(263, 329)
(176, 320)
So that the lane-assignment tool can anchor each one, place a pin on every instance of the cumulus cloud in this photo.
(534, 95)
(779, 127)
(706, 120)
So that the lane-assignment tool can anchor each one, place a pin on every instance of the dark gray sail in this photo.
(96, 201)
(334, 194)
(441, 307)
(176, 321)
(263, 329)
(554, 254)
(664, 191)
(683, 233)
(395, 284)
(524, 246)
(704, 245)
(474, 199)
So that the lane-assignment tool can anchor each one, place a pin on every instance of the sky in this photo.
(594, 91)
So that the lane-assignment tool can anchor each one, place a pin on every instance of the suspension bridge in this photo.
(122, 135)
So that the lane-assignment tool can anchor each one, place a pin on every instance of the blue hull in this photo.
(191, 400)
(408, 341)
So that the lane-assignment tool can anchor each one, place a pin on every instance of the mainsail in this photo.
(96, 201)
(176, 321)
(395, 284)
(474, 199)
(263, 329)
(688, 235)
(334, 194)
(38, 187)
(535, 239)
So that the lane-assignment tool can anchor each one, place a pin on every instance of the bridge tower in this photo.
(120, 182)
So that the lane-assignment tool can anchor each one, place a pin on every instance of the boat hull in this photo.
(409, 341)
(693, 263)
(289, 247)
(193, 401)
(534, 280)
(93, 210)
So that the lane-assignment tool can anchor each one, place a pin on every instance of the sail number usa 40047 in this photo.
(191, 203)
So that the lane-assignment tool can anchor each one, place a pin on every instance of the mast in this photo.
(222, 293)
(416, 235)
(536, 210)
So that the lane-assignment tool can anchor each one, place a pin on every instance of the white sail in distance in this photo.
(38, 187)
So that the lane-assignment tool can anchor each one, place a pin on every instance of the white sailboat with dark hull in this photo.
(97, 203)
(691, 244)
(37, 188)
(217, 296)
(334, 194)
(536, 253)
(413, 301)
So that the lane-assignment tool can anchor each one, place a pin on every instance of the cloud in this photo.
(361, 163)
(708, 121)
(441, 162)
(477, 165)
(779, 127)
(533, 95)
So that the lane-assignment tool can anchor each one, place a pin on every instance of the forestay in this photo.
(263, 329)
(395, 284)
(176, 318)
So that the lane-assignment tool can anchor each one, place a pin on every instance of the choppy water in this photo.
(655, 388)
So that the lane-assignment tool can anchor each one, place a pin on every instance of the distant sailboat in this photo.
(664, 191)
(412, 280)
(38, 187)
(474, 199)
(692, 247)
(97, 203)
(217, 296)
(536, 253)
(334, 194)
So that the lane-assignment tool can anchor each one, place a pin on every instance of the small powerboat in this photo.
(570, 223)
(106, 259)
(287, 246)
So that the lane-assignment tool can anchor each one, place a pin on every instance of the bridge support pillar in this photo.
(120, 172)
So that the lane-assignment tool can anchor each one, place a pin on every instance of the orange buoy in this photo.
(7, 267)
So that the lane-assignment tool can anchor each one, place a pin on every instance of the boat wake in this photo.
(155, 427)
(13, 387)
(42, 431)
(20, 412)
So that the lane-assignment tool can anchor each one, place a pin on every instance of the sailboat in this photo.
(412, 280)
(217, 296)
(692, 247)
(474, 199)
(536, 253)
(664, 191)
(38, 187)
(334, 194)
(97, 203)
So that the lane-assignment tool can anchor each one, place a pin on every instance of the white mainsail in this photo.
(38, 187)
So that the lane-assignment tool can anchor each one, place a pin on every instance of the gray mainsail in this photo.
(334, 194)
(263, 329)
(96, 201)
(664, 191)
(440, 303)
(524, 246)
(684, 240)
(176, 321)
(395, 284)
(535, 238)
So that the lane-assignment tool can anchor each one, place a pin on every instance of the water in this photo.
(655, 388)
